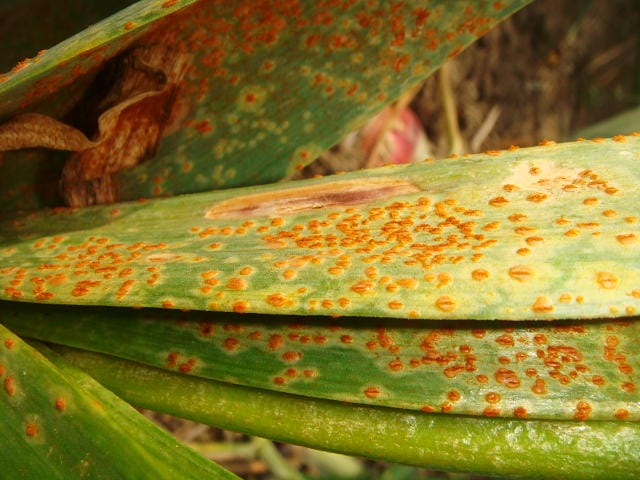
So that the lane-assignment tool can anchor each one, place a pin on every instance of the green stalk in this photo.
(512, 448)
(59, 423)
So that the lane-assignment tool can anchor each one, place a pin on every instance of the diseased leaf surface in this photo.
(272, 84)
(541, 233)
(494, 446)
(58, 422)
(567, 370)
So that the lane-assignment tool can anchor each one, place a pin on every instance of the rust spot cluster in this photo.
(175, 360)
(405, 232)
(90, 268)
(416, 253)
(422, 234)
(502, 372)
(386, 37)
(12, 388)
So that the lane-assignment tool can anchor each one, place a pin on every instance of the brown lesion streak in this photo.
(345, 193)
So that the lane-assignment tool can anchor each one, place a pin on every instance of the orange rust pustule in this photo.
(539, 387)
(507, 377)
(491, 411)
(231, 344)
(493, 397)
(607, 280)
(521, 273)
(206, 329)
(520, 412)
(31, 429)
(9, 386)
(583, 411)
(172, 359)
(278, 300)
(542, 305)
(372, 392)
(187, 366)
(60, 404)
(275, 342)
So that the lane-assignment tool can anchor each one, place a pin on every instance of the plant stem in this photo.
(497, 446)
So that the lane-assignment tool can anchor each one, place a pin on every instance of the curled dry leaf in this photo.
(138, 109)
(30, 130)
(134, 115)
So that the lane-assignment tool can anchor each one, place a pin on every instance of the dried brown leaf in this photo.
(134, 115)
(130, 130)
(30, 130)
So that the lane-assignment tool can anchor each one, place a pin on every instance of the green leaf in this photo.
(271, 85)
(627, 121)
(511, 448)
(541, 233)
(558, 370)
(58, 422)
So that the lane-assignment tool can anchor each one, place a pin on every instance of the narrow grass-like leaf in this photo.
(57, 422)
(271, 85)
(502, 447)
(33, 79)
(541, 233)
(567, 370)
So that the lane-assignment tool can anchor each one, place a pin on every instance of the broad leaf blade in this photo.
(57, 422)
(502, 447)
(541, 233)
(271, 85)
(275, 85)
(568, 370)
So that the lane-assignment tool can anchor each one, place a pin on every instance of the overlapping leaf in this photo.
(56, 80)
(271, 85)
(58, 422)
(510, 448)
(531, 234)
(569, 370)
(33, 79)
(541, 233)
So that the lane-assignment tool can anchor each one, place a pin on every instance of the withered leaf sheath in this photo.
(135, 113)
